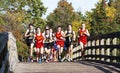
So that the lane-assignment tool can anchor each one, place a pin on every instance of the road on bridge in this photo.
(65, 67)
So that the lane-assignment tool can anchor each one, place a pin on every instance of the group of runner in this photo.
(51, 45)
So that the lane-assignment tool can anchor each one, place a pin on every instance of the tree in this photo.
(15, 14)
(62, 15)
(110, 12)
(116, 21)
(103, 17)
(76, 25)
(99, 23)
(78, 20)
(33, 10)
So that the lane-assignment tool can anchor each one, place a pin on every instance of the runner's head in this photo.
(38, 30)
(59, 28)
(51, 31)
(47, 30)
(47, 27)
(31, 26)
(83, 26)
(69, 27)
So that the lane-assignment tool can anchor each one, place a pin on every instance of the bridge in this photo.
(102, 55)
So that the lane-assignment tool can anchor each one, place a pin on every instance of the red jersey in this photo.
(59, 41)
(83, 37)
(39, 40)
(58, 36)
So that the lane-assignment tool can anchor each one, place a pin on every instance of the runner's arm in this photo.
(74, 36)
(26, 33)
(87, 33)
(78, 35)
(63, 35)
(34, 38)
(43, 34)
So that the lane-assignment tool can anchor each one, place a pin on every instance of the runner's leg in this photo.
(82, 49)
(70, 52)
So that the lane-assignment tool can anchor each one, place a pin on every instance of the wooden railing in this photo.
(8, 52)
(102, 48)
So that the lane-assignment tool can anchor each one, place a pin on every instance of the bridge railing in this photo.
(76, 53)
(102, 48)
(8, 52)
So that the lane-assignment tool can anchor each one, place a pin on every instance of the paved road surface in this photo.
(65, 67)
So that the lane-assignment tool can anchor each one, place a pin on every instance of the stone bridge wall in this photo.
(8, 52)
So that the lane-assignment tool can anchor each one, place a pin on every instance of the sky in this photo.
(78, 5)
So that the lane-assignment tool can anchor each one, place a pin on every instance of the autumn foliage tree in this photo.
(102, 18)
(62, 15)
(16, 14)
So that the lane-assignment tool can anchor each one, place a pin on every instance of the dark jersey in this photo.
(31, 33)
(30, 38)
(69, 36)
(47, 36)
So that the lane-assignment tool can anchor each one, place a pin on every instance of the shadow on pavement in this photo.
(102, 67)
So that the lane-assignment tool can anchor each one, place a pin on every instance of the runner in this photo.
(39, 44)
(70, 37)
(29, 35)
(59, 35)
(54, 47)
(52, 36)
(82, 38)
(47, 43)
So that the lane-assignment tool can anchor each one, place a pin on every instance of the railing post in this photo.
(87, 50)
(79, 53)
(108, 49)
(102, 49)
(114, 51)
(73, 55)
(93, 50)
(85, 53)
(97, 50)
(89, 53)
